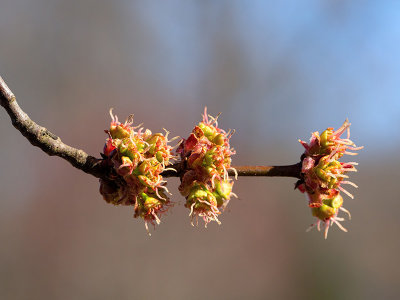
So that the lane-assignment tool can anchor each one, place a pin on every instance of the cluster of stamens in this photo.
(205, 183)
(137, 158)
(323, 176)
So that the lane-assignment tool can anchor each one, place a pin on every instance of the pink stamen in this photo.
(340, 131)
(355, 148)
(350, 183)
(350, 153)
(205, 116)
(346, 192)
(346, 211)
(326, 229)
(339, 225)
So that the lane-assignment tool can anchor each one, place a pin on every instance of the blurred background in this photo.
(277, 70)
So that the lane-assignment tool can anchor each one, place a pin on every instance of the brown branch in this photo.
(44, 139)
(52, 145)
(270, 171)
(283, 171)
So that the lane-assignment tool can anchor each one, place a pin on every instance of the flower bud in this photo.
(323, 176)
(138, 157)
(208, 158)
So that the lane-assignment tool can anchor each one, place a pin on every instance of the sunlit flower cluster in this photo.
(207, 157)
(135, 160)
(138, 158)
(324, 176)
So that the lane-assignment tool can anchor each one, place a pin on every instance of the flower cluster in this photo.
(207, 157)
(323, 174)
(138, 158)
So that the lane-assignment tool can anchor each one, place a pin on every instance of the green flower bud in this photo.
(150, 202)
(207, 130)
(335, 202)
(323, 212)
(219, 139)
(119, 131)
(139, 182)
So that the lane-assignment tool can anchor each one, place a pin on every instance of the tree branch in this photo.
(53, 146)
(270, 171)
(46, 140)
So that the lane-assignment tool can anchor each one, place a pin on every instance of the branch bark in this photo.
(270, 171)
(53, 146)
(46, 140)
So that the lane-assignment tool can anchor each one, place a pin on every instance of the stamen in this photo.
(349, 141)
(352, 163)
(212, 180)
(147, 228)
(165, 188)
(231, 133)
(331, 175)
(225, 173)
(344, 142)
(339, 225)
(141, 124)
(166, 133)
(176, 146)
(214, 120)
(355, 148)
(225, 204)
(205, 116)
(348, 170)
(174, 138)
(350, 183)
(326, 229)
(156, 217)
(170, 169)
(346, 192)
(191, 210)
(342, 129)
(311, 227)
(129, 120)
(331, 157)
(342, 176)
(350, 153)
(346, 211)
(234, 171)
(111, 114)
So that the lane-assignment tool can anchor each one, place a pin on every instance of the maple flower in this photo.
(206, 184)
(138, 158)
(323, 176)
(325, 206)
(330, 141)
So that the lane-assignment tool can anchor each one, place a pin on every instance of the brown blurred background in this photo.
(277, 72)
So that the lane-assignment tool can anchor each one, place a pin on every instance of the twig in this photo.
(46, 140)
(52, 145)
(270, 171)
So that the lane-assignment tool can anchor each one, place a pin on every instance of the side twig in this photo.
(53, 146)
